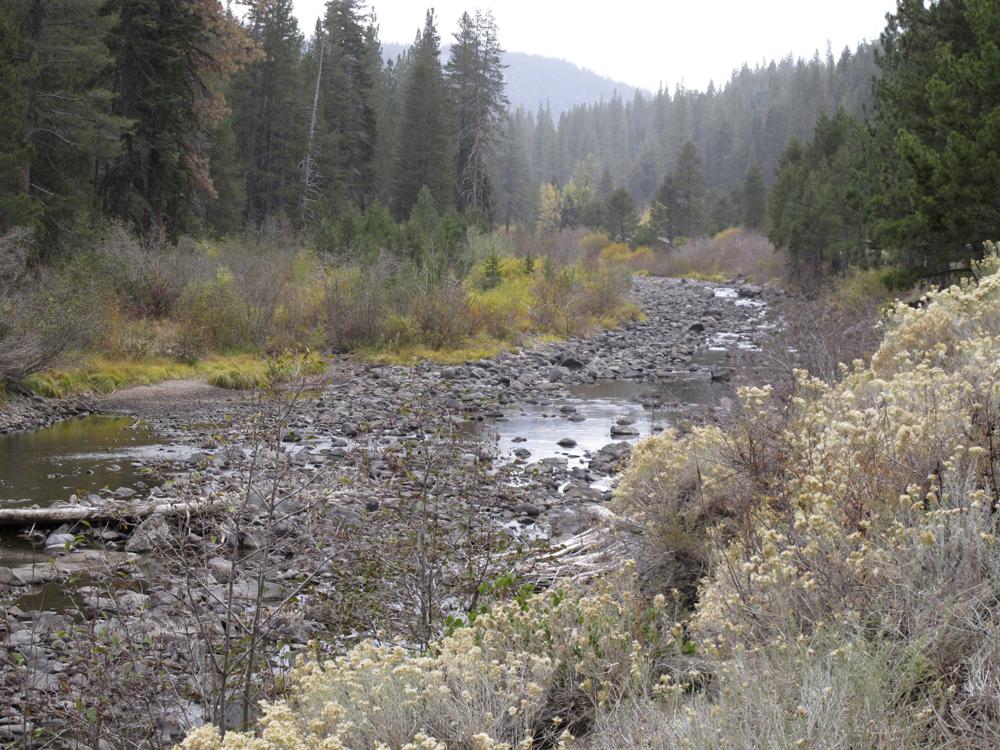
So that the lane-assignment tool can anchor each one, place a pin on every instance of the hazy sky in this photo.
(644, 42)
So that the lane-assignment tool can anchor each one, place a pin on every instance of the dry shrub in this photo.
(860, 519)
(562, 248)
(45, 314)
(240, 293)
(147, 277)
(732, 253)
(593, 244)
(214, 315)
(442, 311)
(357, 303)
(820, 331)
(558, 300)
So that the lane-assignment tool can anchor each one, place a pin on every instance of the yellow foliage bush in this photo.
(594, 243)
(640, 259)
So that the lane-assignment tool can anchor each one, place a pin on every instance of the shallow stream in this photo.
(80, 457)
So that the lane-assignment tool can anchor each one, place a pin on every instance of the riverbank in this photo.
(19, 412)
(325, 514)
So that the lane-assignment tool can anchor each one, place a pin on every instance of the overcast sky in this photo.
(644, 42)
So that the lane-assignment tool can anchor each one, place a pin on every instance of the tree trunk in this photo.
(59, 514)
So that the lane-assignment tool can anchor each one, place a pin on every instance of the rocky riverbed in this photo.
(374, 503)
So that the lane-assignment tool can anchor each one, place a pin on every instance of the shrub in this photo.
(400, 331)
(504, 311)
(593, 244)
(732, 253)
(356, 303)
(639, 259)
(45, 314)
(214, 316)
(442, 312)
(529, 673)
(146, 278)
(859, 518)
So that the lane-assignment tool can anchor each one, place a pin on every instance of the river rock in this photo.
(221, 569)
(622, 430)
(750, 291)
(149, 534)
(60, 542)
(527, 509)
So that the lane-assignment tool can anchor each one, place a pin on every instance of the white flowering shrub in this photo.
(527, 674)
(874, 532)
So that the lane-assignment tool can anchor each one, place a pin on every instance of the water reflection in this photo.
(79, 456)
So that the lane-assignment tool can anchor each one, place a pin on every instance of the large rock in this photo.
(60, 542)
(150, 534)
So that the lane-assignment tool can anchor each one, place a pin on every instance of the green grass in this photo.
(103, 375)
(480, 347)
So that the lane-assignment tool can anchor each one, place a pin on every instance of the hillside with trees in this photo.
(358, 396)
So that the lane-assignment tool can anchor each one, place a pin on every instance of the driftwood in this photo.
(59, 514)
(591, 553)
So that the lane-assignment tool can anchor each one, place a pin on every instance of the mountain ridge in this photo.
(533, 80)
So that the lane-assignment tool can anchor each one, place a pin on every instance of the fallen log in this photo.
(60, 514)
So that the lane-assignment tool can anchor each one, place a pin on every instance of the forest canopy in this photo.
(179, 117)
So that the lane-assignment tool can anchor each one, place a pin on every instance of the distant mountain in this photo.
(534, 79)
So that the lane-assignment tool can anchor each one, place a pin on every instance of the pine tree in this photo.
(388, 113)
(171, 59)
(690, 186)
(581, 204)
(351, 67)
(753, 199)
(224, 212)
(268, 117)
(938, 105)
(817, 211)
(16, 207)
(622, 216)
(663, 211)
(422, 158)
(513, 170)
(67, 131)
(475, 80)
(545, 144)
